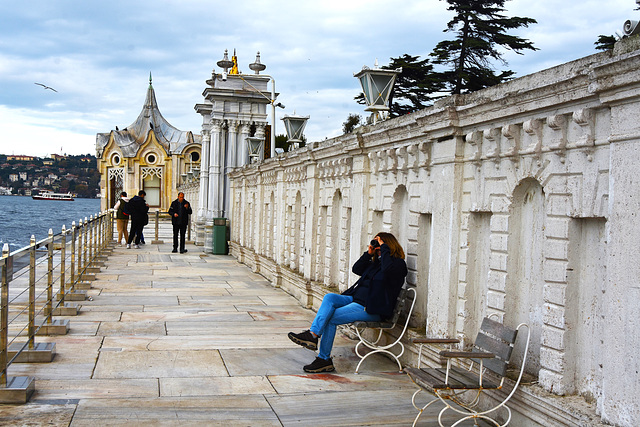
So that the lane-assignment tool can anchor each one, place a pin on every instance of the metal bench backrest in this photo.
(498, 339)
(402, 302)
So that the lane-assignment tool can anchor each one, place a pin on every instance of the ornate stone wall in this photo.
(519, 200)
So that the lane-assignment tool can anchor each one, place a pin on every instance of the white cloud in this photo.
(99, 55)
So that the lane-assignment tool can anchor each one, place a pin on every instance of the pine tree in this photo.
(414, 86)
(605, 42)
(481, 29)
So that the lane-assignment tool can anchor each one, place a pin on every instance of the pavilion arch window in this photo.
(152, 185)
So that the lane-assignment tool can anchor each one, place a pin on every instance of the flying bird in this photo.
(45, 86)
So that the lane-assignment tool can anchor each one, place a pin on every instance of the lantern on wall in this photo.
(256, 146)
(294, 126)
(376, 85)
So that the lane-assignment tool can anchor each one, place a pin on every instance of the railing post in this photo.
(73, 258)
(32, 291)
(101, 236)
(49, 309)
(63, 256)
(157, 220)
(80, 258)
(4, 316)
(85, 243)
(89, 258)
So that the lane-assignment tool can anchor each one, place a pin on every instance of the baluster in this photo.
(49, 308)
(63, 255)
(85, 243)
(4, 315)
(32, 291)
(73, 258)
(91, 240)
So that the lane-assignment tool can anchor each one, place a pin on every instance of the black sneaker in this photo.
(175, 251)
(305, 339)
(320, 365)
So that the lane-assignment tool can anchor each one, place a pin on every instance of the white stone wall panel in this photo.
(541, 168)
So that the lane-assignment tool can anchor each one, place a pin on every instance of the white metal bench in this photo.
(402, 313)
(492, 350)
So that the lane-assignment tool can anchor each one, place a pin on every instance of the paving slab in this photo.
(159, 364)
(199, 339)
(244, 410)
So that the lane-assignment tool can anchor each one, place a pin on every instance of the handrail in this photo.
(29, 294)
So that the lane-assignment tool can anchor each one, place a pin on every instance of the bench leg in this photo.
(421, 410)
(395, 357)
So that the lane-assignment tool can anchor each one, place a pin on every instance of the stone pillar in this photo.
(243, 149)
(311, 232)
(229, 165)
(359, 207)
(213, 183)
(203, 189)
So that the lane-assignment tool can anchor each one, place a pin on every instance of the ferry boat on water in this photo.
(49, 195)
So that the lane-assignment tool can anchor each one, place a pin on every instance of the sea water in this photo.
(21, 217)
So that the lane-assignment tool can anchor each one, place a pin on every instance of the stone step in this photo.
(42, 352)
(17, 390)
(88, 277)
(56, 327)
(69, 309)
(77, 295)
(82, 286)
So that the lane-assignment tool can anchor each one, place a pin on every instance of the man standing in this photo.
(138, 210)
(122, 218)
(180, 210)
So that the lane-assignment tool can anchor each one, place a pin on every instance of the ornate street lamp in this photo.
(294, 126)
(256, 146)
(377, 84)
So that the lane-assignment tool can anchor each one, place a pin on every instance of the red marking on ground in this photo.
(327, 377)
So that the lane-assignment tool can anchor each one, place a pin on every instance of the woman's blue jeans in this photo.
(336, 310)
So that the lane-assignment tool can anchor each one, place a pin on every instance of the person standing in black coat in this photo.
(180, 210)
(138, 210)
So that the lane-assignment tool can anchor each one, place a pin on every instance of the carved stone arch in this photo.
(525, 279)
(400, 215)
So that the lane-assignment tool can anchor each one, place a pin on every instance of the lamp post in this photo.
(377, 84)
(257, 66)
(294, 125)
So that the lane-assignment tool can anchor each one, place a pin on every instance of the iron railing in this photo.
(33, 293)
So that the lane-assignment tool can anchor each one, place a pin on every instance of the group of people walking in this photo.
(137, 209)
(382, 270)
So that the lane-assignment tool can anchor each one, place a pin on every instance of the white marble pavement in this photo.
(194, 339)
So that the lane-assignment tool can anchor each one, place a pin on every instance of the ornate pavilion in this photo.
(150, 154)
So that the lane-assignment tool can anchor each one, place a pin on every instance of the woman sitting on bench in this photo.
(382, 270)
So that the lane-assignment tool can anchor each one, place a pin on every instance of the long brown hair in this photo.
(394, 246)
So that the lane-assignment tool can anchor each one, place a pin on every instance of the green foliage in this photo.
(605, 42)
(282, 142)
(352, 121)
(480, 30)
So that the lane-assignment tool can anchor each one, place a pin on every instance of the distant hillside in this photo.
(26, 175)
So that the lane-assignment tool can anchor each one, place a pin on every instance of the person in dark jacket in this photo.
(138, 210)
(180, 210)
(382, 271)
(122, 218)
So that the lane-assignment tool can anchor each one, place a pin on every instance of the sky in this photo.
(98, 57)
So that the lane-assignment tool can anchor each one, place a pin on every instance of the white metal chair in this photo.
(492, 350)
(404, 308)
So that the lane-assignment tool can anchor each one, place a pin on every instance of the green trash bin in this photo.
(220, 236)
